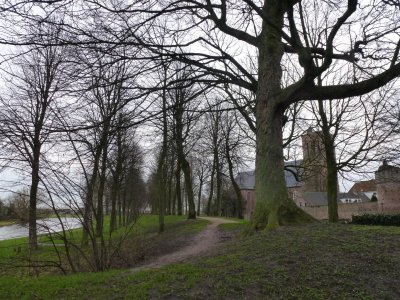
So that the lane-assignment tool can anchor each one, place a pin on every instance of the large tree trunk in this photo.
(273, 206)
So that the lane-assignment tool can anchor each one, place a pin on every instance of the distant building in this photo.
(367, 188)
(315, 170)
(388, 186)
(306, 184)
(301, 176)
(246, 182)
(321, 198)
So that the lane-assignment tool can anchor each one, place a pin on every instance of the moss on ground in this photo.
(315, 261)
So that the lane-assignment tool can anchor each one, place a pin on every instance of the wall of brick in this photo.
(346, 210)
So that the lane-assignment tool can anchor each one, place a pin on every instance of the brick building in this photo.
(388, 186)
(366, 187)
(246, 182)
(310, 172)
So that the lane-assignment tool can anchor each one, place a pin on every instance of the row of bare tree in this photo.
(202, 82)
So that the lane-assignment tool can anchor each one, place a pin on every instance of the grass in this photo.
(14, 252)
(316, 261)
(7, 222)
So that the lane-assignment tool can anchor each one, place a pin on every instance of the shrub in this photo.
(379, 219)
(19, 206)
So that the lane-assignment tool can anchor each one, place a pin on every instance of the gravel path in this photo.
(203, 242)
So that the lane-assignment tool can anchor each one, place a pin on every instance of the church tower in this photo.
(314, 161)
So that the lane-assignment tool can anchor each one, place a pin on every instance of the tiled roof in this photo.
(246, 180)
(363, 186)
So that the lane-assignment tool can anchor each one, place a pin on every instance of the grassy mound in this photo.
(315, 261)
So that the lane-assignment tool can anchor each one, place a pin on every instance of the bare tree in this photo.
(351, 131)
(28, 114)
(182, 99)
(277, 32)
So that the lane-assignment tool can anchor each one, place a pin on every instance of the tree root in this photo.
(288, 213)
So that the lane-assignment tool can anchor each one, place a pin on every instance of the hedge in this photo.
(379, 219)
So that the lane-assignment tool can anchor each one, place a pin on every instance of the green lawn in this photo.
(7, 222)
(14, 252)
(317, 261)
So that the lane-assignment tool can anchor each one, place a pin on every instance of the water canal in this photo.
(44, 226)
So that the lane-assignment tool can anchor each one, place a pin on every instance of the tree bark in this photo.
(100, 193)
(188, 187)
(273, 206)
(239, 198)
(178, 188)
(89, 198)
(161, 169)
(331, 188)
(199, 194)
(116, 184)
(33, 198)
(332, 176)
(210, 196)
(218, 168)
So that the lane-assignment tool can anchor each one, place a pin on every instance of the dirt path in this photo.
(201, 243)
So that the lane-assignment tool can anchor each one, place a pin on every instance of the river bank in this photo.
(8, 222)
(18, 230)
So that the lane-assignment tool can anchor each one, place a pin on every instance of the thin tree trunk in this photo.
(124, 202)
(161, 169)
(173, 199)
(100, 194)
(332, 184)
(210, 196)
(178, 188)
(239, 198)
(332, 176)
(33, 199)
(116, 184)
(89, 198)
(199, 194)
(119, 205)
(219, 186)
(188, 187)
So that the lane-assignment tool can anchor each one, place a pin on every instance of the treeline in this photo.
(68, 123)
(82, 125)
(100, 97)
